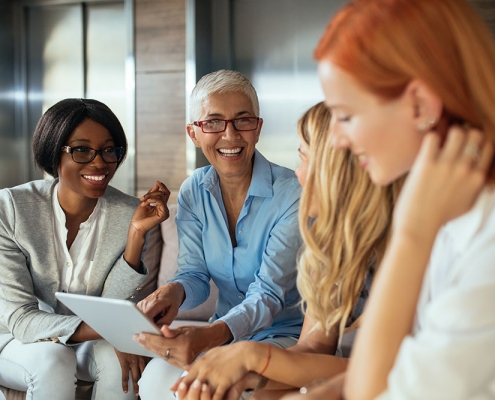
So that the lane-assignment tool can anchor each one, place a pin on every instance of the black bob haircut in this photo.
(59, 121)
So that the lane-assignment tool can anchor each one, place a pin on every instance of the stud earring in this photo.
(426, 125)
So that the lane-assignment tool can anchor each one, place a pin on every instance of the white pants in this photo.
(49, 371)
(159, 375)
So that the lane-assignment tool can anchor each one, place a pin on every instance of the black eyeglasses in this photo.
(220, 125)
(84, 155)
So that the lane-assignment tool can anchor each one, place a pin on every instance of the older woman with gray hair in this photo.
(237, 222)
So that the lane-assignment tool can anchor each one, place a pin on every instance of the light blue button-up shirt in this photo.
(257, 279)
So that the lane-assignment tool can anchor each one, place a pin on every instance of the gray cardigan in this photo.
(29, 275)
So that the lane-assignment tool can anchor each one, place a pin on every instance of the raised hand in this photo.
(152, 210)
(444, 182)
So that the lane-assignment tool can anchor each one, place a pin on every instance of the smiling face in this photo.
(86, 181)
(383, 135)
(229, 152)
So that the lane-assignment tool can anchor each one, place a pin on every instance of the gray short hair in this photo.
(221, 81)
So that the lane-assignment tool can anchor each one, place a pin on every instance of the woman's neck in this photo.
(76, 208)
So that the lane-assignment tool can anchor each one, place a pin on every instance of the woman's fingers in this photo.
(136, 375)
(155, 203)
(486, 157)
(454, 144)
(430, 148)
(196, 391)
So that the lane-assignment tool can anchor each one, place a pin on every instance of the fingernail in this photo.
(196, 384)
(204, 387)
(182, 386)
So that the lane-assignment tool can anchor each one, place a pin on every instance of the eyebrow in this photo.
(219, 115)
(88, 141)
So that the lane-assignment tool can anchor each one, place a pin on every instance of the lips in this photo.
(232, 152)
(95, 179)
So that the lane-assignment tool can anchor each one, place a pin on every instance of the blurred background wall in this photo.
(143, 57)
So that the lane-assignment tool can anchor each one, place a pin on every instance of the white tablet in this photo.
(117, 321)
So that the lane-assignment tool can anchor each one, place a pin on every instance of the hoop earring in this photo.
(427, 125)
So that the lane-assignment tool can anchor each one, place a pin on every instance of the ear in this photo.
(426, 105)
(258, 132)
(192, 134)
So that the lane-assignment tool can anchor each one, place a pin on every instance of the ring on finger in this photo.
(472, 150)
(167, 355)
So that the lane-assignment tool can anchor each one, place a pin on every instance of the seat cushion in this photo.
(168, 267)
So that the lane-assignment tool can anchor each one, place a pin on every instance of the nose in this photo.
(230, 132)
(98, 160)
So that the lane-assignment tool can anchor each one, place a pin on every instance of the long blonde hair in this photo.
(384, 44)
(351, 229)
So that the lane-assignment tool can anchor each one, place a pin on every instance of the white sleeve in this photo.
(452, 356)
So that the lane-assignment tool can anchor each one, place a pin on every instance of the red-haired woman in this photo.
(411, 88)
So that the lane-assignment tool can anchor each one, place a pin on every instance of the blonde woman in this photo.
(344, 239)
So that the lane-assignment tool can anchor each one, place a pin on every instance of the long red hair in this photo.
(385, 44)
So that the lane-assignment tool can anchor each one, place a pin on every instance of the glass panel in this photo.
(11, 158)
(54, 60)
(273, 43)
(106, 74)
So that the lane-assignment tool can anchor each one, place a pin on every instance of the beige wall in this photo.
(160, 33)
(160, 90)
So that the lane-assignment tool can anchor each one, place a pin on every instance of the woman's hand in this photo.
(152, 210)
(163, 304)
(133, 363)
(181, 346)
(201, 391)
(221, 367)
(197, 391)
(444, 182)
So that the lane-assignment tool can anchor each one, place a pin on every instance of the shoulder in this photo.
(30, 192)
(196, 181)
(285, 181)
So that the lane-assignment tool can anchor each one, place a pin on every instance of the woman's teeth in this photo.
(230, 152)
(94, 177)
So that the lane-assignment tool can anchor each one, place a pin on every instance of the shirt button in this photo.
(230, 252)
(240, 232)
(240, 297)
(68, 264)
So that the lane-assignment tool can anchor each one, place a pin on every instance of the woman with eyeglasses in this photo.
(344, 238)
(73, 233)
(237, 221)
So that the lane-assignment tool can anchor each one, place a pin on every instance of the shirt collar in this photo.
(60, 215)
(261, 180)
(463, 229)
